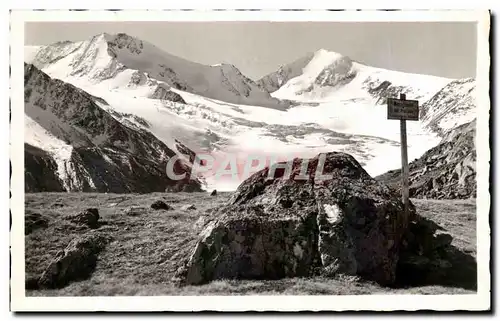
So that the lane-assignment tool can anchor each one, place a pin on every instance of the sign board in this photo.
(402, 109)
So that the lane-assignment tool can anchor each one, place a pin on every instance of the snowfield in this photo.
(337, 104)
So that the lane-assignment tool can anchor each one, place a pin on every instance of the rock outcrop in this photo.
(161, 205)
(34, 221)
(163, 92)
(447, 171)
(324, 215)
(88, 217)
(81, 147)
(76, 262)
(40, 171)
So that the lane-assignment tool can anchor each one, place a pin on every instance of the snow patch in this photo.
(37, 136)
(30, 53)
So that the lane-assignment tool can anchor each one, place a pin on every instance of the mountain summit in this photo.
(336, 104)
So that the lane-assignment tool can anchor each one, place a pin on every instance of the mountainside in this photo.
(40, 173)
(133, 62)
(86, 148)
(447, 171)
(337, 104)
(451, 106)
(324, 74)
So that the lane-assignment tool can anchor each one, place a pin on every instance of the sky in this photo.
(446, 49)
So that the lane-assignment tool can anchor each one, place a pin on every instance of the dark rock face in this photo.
(40, 171)
(107, 155)
(382, 89)
(252, 247)
(162, 92)
(340, 73)
(34, 221)
(161, 205)
(88, 217)
(276, 79)
(335, 219)
(76, 262)
(425, 256)
(214, 193)
(447, 171)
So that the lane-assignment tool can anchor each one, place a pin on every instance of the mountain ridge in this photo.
(86, 147)
(107, 56)
(334, 104)
(446, 171)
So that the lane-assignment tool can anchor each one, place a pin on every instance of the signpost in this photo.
(403, 110)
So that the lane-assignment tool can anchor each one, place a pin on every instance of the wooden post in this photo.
(403, 110)
(404, 164)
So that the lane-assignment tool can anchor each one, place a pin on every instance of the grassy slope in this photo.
(146, 249)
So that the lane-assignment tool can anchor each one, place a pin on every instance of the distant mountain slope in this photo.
(447, 171)
(337, 104)
(453, 105)
(133, 62)
(328, 76)
(40, 174)
(324, 73)
(89, 149)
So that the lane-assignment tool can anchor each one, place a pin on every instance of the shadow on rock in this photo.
(429, 259)
(34, 221)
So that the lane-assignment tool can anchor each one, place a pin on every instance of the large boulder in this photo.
(76, 262)
(322, 215)
(88, 217)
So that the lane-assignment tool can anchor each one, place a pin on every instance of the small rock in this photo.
(76, 262)
(161, 205)
(188, 207)
(89, 217)
(57, 204)
(214, 193)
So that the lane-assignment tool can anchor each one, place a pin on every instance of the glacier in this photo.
(322, 102)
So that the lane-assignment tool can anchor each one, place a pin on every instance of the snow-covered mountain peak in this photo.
(309, 78)
(123, 41)
(323, 67)
(323, 59)
(118, 60)
(335, 102)
(326, 75)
